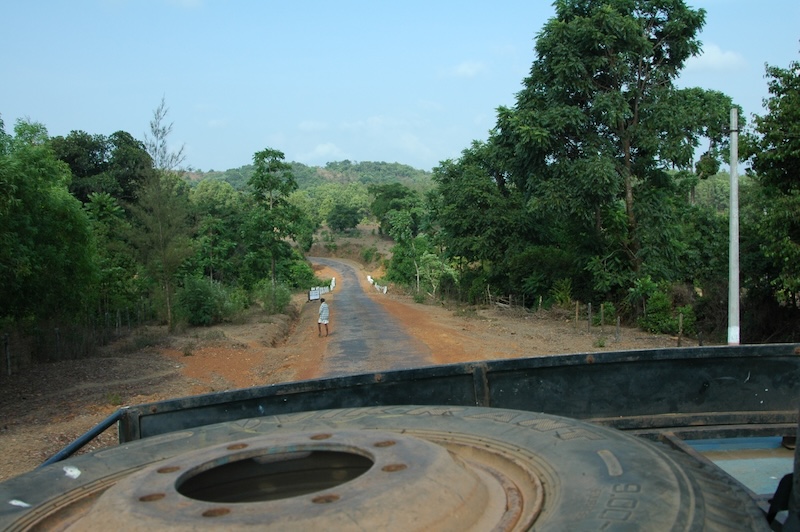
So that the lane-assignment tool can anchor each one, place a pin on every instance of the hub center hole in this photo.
(274, 476)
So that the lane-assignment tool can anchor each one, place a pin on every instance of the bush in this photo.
(369, 254)
(301, 275)
(661, 318)
(609, 312)
(562, 293)
(200, 301)
(274, 300)
(236, 301)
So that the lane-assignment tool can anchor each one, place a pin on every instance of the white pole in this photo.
(733, 263)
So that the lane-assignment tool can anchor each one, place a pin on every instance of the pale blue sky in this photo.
(411, 82)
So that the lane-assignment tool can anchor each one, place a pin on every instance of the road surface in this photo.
(363, 336)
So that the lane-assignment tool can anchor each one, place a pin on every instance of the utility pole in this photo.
(733, 262)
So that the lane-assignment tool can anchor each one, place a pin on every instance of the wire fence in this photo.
(595, 318)
(52, 341)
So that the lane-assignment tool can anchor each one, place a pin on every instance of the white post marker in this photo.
(733, 262)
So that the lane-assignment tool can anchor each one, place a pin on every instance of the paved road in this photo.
(364, 337)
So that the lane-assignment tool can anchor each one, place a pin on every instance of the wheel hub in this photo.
(342, 479)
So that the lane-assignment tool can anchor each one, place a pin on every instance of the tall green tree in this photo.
(164, 157)
(772, 221)
(479, 222)
(162, 234)
(116, 165)
(130, 165)
(393, 197)
(117, 286)
(599, 120)
(87, 157)
(47, 252)
(219, 213)
(343, 218)
(274, 220)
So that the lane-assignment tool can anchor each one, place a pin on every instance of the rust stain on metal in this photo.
(386, 443)
(321, 436)
(168, 469)
(236, 446)
(391, 468)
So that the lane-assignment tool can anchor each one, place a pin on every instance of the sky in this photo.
(413, 82)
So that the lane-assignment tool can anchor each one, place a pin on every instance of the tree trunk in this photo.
(633, 239)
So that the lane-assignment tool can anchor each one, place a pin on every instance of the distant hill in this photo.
(342, 172)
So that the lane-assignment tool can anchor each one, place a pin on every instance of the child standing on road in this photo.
(324, 317)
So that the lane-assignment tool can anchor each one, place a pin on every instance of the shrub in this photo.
(562, 292)
(661, 318)
(200, 301)
(235, 302)
(301, 275)
(369, 254)
(609, 312)
(273, 299)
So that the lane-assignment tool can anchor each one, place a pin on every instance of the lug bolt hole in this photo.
(325, 499)
(216, 512)
(152, 497)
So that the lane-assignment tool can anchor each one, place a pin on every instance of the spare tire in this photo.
(384, 468)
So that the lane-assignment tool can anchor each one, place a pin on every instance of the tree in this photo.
(130, 165)
(479, 217)
(117, 164)
(343, 218)
(405, 251)
(162, 234)
(7, 186)
(218, 210)
(87, 157)
(599, 121)
(392, 197)
(274, 219)
(776, 154)
(156, 143)
(774, 219)
(116, 264)
(272, 180)
(47, 252)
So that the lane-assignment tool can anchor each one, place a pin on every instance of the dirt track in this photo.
(48, 406)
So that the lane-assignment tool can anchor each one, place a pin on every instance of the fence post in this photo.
(58, 344)
(589, 312)
(7, 351)
(602, 316)
(617, 332)
(540, 303)
(680, 327)
(576, 313)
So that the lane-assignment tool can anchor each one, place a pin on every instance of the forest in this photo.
(603, 183)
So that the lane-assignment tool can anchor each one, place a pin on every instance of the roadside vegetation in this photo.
(601, 184)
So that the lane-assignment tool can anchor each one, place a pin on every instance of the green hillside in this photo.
(341, 172)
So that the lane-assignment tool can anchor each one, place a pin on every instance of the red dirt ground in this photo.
(47, 406)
